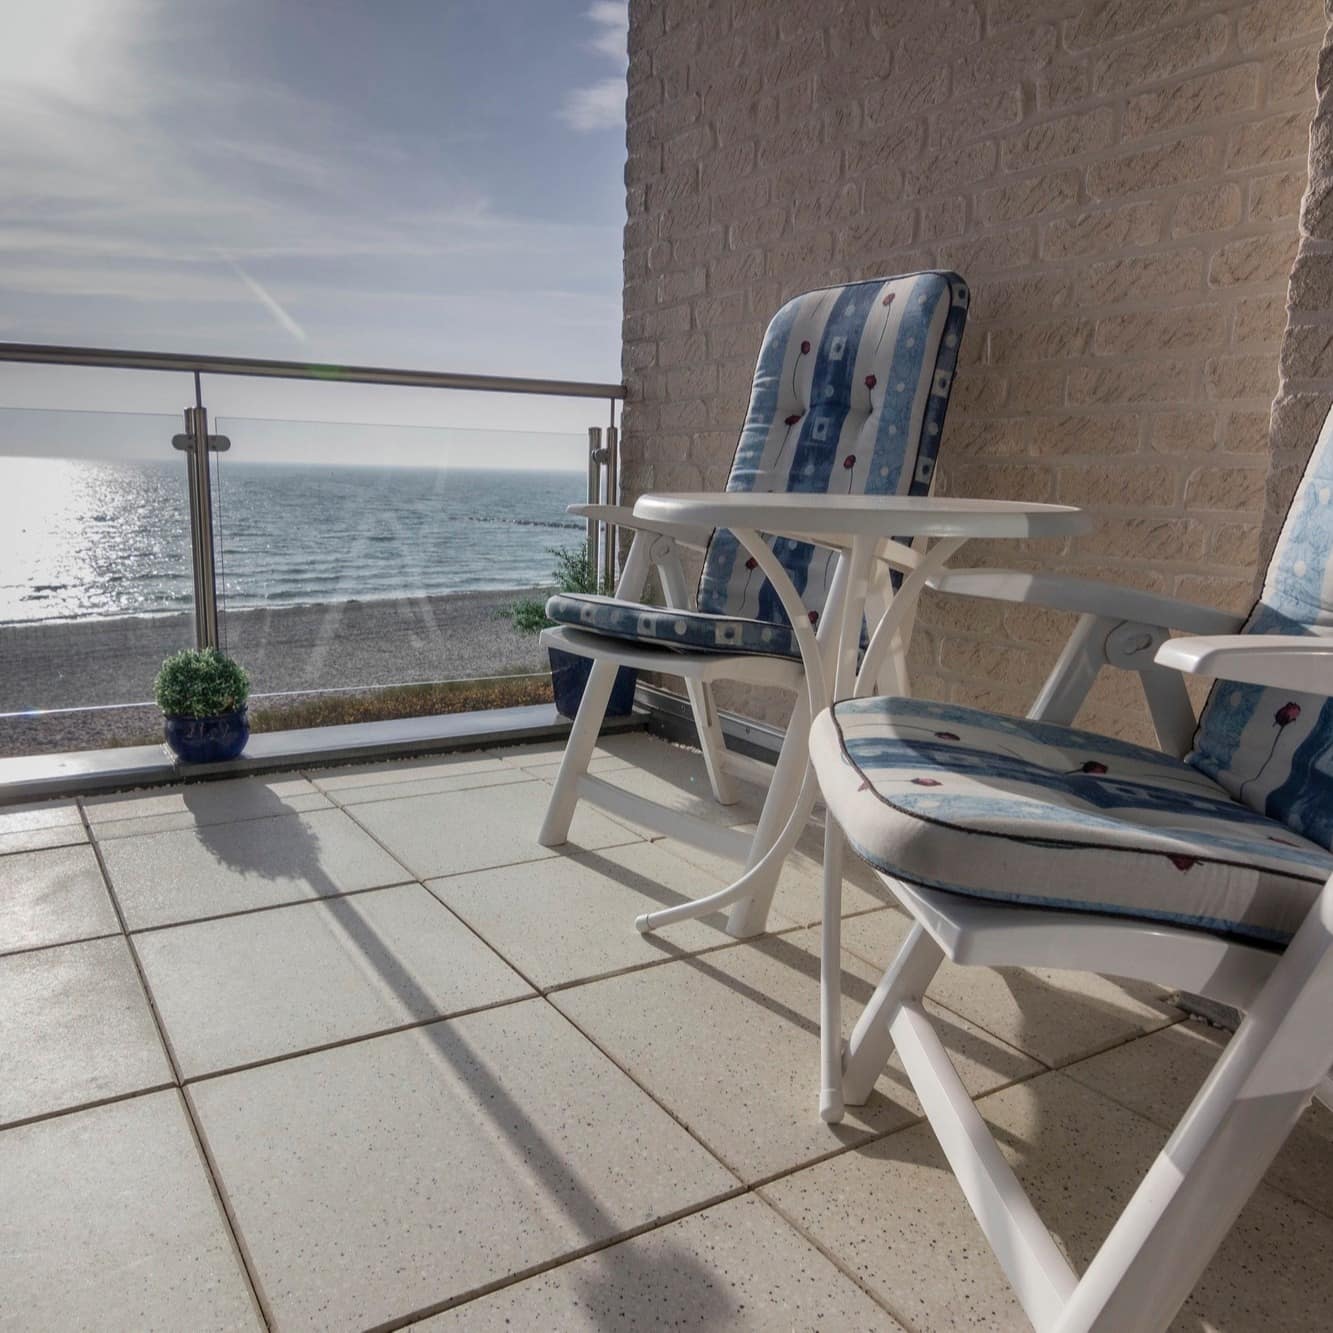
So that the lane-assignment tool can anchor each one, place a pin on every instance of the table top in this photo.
(807, 514)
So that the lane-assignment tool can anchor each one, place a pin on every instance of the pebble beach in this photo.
(336, 645)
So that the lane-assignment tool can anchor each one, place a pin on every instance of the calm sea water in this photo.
(82, 539)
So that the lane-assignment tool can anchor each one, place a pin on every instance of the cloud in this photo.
(601, 105)
(148, 201)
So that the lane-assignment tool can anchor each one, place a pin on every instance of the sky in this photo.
(433, 184)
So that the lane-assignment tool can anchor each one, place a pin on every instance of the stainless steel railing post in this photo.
(594, 489)
(196, 444)
(612, 453)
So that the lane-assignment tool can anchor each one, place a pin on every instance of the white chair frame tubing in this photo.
(817, 694)
(844, 607)
(888, 633)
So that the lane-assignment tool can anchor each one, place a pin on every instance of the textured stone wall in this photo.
(1306, 364)
(1119, 181)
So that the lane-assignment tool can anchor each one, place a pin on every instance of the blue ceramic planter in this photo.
(207, 740)
(569, 678)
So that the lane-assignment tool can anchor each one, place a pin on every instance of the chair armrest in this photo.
(1284, 661)
(1060, 592)
(623, 516)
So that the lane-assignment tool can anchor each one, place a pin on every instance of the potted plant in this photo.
(574, 571)
(202, 695)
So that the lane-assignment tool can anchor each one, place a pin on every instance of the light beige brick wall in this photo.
(1119, 182)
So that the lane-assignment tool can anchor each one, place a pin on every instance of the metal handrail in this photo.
(117, 359)
(198, 444)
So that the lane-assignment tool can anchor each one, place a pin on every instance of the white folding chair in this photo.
(849, 397)
(1023, 842)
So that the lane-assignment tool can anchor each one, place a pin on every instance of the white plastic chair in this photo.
(1022, 842)
(849, 397)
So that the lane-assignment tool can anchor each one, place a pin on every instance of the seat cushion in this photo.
(1029, 812)
(665, 628)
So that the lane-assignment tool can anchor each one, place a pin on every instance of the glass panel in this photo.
(360, 563)
(95, 575)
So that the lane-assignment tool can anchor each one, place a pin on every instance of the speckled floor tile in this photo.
(1158, 1075)
(736, 1266)
(188, 874)
(1053, 1015)
(251, 987)
(893, 1214)
(570, 918)
(108, 1221)
(53, 897)
(379, 1179)
(397, 772)
(729, 1043)
(29, 828)
(75, 1027)
(200, 803)
(454, 832)
(800, 895)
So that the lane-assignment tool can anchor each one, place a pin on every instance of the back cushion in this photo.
(1273, 749)
(849, 398)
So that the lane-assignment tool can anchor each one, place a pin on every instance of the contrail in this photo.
(269, 303)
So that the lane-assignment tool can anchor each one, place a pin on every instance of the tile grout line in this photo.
(840, 1265)
(97, 1102)
(29, 949)
(196, 1133)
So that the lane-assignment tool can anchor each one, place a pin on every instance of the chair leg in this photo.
(750, 916)
(711, 742)
(1221, 1147)
(831, 1105)
(578, 753)
(871, 1045)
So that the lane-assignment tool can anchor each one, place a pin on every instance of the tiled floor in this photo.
(349, 1050)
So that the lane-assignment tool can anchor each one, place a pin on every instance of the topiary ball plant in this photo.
(202, 695)
(200, 682)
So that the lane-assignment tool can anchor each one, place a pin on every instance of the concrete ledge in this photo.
(41, 776)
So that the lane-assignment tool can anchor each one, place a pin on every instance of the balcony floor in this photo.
(348, 1049)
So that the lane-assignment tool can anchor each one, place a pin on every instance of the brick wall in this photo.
(1118, 180)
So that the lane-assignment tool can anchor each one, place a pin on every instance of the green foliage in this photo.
(574, 571)
(529, 616)
(200, 683)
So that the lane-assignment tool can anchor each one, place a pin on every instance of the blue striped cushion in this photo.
(663, 627)
(849, 397)
(1006, 809)
(1273, 749)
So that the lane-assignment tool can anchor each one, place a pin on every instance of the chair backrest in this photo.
(1273, 749)
(849, 397)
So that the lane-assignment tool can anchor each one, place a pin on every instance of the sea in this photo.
(83, 539)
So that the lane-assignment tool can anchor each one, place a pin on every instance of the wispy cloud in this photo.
(601, 105)
(148, 200)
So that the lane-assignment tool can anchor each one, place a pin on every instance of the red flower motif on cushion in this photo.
(888, 300)
(751, 563)
(946, 736)
(794, 418)
(925, 782)
(814, 617)
(1092, 766)
(849, 462)
(1182, 862)
(1287, 714)
(871, 381)
(805, 346)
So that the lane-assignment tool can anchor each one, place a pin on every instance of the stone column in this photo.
(1305, 389)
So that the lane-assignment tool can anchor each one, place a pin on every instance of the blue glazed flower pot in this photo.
(207, 740)
(569, 678)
